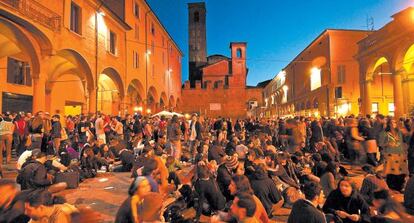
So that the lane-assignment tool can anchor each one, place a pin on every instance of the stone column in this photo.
(366, 101)
(398, 95)
(92, 100)
(39, 94)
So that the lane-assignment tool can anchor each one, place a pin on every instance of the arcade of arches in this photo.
(386, 60)
(53, 70)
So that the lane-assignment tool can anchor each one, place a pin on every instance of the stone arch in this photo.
(163, 100)
(68, 70)
(404, 56)
(408, 62)
(375, 64)
(69, 61)
(135, 95)
(43, 41)
(152, 99)
(15, 41)
(178, 104)
(171, 102)
(116, 78)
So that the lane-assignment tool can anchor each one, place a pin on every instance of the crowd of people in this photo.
(246, 170)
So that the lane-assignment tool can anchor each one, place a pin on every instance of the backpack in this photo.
(25, 175)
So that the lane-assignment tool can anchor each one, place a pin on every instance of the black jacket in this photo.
(223, 180)
(208, 192)
(354, 204)
(33, 176)
(265, 189)
(304, 212)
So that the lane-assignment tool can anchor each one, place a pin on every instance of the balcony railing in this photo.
(34, 10)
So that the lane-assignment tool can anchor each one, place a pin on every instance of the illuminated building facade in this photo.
(386, 60)
(321, 81)
(80, 56)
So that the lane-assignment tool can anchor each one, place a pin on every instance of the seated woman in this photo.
(346, 204)
(89, 164)
(328, 179)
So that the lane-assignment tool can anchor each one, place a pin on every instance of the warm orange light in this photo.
(148, 111)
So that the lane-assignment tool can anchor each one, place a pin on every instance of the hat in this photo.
(149, 209)
(231, 162)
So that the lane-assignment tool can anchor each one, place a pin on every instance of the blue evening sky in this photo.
(275, 30)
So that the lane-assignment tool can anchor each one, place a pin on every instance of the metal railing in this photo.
(35, 11)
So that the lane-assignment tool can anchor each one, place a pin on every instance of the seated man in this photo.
(306, 210)
(33, 175)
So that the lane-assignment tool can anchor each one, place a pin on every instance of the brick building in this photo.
(85, 56)
(217, 83)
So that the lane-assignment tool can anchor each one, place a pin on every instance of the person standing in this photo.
(174, 136)
(100, 129)
(395, 159)
(6, 138)
(195, 134)
(56, 132)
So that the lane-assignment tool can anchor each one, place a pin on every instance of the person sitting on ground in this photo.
(41, 207)
(126, 158)
(224, 174)
(127, 211)
(306, 210)
(372, 182)
(241, 184)
(346, 204)
(329, 178)
(172, 164)
(33, 175)
(243, 208)
(265, 189)
(89, 163)
(209, 196)
(105, 157)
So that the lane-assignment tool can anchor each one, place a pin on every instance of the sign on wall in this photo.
(215, 106)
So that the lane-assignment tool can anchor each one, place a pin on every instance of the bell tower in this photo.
(197, 40)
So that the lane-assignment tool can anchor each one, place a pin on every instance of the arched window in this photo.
(196, 16)
(239, 53)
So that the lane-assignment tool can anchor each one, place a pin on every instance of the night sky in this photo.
(275, 30)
